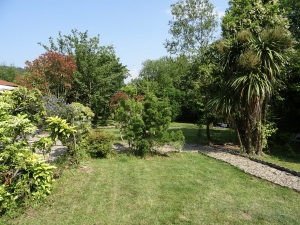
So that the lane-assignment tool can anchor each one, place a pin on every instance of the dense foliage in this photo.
(51, 73)
(8, 73)
(23, 175)
(144, 120)
(99, 74)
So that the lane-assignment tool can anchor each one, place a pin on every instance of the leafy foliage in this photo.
(143, 123)
(58, 107)
(99, 73)
(99, 144)
(25, 101)
(252, 15)
(59, 129)
(23, 175)
(292, 11)
(51, 73)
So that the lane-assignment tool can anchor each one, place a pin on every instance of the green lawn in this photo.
(186, 188)
(195, 134)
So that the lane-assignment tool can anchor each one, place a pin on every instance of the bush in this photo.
(177, 139)
(24, 176)
(99, 144)
(58, 107)
(142, 147)
(144, 121)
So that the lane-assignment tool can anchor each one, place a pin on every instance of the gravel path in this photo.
(58, 149)
(248, 166)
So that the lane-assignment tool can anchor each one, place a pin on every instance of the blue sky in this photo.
(136, 28)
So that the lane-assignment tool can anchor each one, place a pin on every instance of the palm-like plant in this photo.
(252, 65)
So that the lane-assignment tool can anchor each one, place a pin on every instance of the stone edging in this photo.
(284, 169)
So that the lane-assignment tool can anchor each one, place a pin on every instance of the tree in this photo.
(285, 104)
(99, 73)
(292, 12)
(166, 78)
(192, 31)
(192, 28)
(144, 120)
(255, 15)
(253, 53)
(51, 72)
(8, 73)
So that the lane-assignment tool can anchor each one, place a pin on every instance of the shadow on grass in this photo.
(190, 134)
(198, 135)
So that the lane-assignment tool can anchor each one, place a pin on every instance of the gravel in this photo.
(249, 166)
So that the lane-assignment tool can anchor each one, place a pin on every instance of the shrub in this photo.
(24, 101)
(58, 107)
(144, 121)
(176, 139)
(99, 144)
(24, 176)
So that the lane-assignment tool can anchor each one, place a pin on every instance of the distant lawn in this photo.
(192, 133)
(186, 188)
(195, 135)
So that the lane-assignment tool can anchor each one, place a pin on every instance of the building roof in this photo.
(6, 83)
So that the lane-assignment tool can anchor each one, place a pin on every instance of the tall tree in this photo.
(166, 77)
(253, 54)
(286, 105)
(291, 9)
(193, 26)
(255, 15)
(99, 72)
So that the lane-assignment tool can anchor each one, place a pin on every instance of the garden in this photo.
(79, 146)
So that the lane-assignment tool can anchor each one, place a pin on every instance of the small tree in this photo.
(51, 72)
(144, 121)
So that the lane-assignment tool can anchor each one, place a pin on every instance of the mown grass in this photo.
(197, 134)
(186, 188)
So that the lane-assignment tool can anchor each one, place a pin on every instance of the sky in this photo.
(136, 28)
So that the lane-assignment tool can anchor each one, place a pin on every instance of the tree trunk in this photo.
(208, 131)
(248, 137)
(237, 131)
(258, 144)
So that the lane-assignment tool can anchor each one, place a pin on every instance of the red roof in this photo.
(6, 83)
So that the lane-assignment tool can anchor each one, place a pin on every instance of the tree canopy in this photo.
(253, 51)
(99, 73)
(193, 26)
(51, 73)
